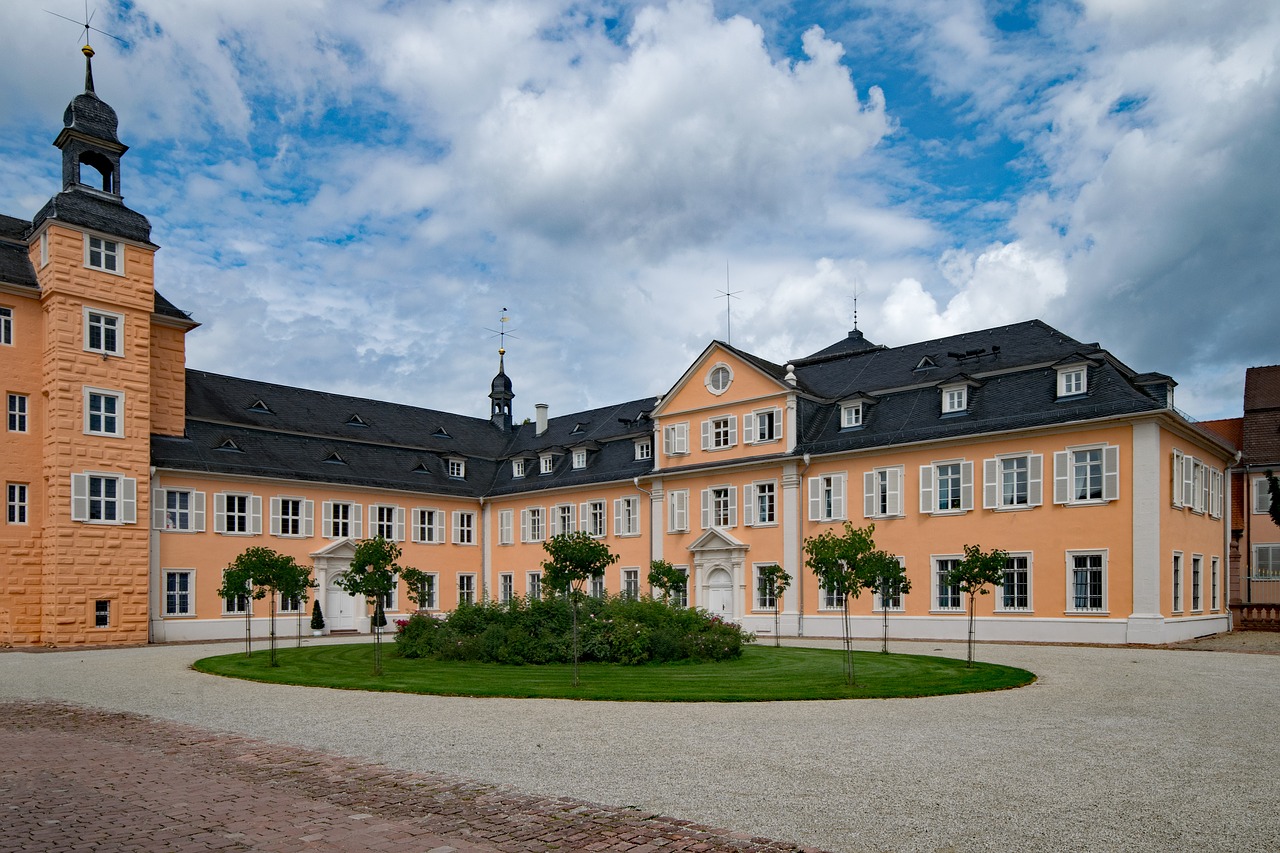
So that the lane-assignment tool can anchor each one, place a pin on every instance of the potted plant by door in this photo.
(317, 620)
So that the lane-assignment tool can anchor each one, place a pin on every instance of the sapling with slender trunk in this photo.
(840, 564)
(373, 575)
(774, 581)
(973, 576)
(575, 558)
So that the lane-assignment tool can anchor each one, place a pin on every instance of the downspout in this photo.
(635, 481)
(800, 516)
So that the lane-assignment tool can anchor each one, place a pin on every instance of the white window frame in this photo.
(675, 439)
(931, 488)
(103, 255)
(751, 426)
(760, 602)
(16, 496)
(828, 600)
(464, 527)
(457, 469)
(829, 496)
(352, 523)
(238, 605)
(678, 511)
(626, 516)
(631, 583)
(1272, 560)
(595, 518)
(103, 318)
(644, 449)
(877, 601)
(1001, 606)
(1261, 497)
(433, 592)
(1064, 475)
(935, 584)
(564, 519)
(994, 494)
(467, 588)
(1073, 380)
(506, 587)
(882, 492)
(123, 504)
(299, 526)
(1215, 566)
(727, 496)
(506, 527)
(751, 503)
(718, 372)
(546, 463)
(44, 248)
(955, 398)
(1197, 583)
(186, 597)
(427, 525)
(386, 518)
(517, 468)
(851, 415)
(680, 595)
(533, 524)
(291, 604)
(252, 513)
(579, 458)
(18, 410)
(6, 326)
(720, 433)
(89, 393)
(1105, 560)
(598, 588)
(169, 519)
(1177, 584)
(533, 585)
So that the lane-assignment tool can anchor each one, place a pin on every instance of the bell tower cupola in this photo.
(90, 148)
(500, 396)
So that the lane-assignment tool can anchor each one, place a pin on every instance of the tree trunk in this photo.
(273, 629)
(971, 604)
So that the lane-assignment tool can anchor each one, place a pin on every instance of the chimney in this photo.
(541, 409)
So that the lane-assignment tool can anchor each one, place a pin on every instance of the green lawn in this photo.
(762, 674)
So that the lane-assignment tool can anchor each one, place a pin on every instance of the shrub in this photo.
(621, 630)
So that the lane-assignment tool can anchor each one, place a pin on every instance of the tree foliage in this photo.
(373, 574)
(421, 585)
(665, 577)
(261, 572)
(974, 575)
(844, 565)
(888, 578)
(574, 558)
(1273, 489)
(774, 581)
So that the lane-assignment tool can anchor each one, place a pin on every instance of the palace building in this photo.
(131, 481)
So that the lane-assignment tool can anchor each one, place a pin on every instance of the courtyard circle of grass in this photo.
(762, 674)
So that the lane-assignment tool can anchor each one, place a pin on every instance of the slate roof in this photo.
(97, 211)
(15, 264)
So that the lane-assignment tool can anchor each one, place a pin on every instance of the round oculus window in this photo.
(719, 378)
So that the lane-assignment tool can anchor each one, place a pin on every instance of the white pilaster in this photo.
(1146, 623)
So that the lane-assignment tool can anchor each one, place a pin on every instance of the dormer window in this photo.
(644, 448)
(517, 467)
(925, 363)
(228, 444)
(335, 459)
(457, 468)
(851, 415)
(356, 420)
(546, 463)
(579, 459)
(261, 408)
(1073, 380)
(955, 399)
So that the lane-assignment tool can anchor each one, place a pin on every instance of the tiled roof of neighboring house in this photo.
(1229, 429)
(1262, 415)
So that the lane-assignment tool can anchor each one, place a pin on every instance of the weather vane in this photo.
(728, 314)
(87, 24)
(502, 333)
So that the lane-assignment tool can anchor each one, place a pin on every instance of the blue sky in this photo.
(349, 193)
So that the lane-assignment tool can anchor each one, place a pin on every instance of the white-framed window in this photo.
(678, 511)
(1266, 563)
(292, 517)
(719, 378)
(1015, 590)
(719, 507)
(946, 487)
(720, 433)
(15, 503)
(1086, 475)
(177, 510)
(430, 601)
(238, 604)
(466, 589)
(546, 463)
(103, 412)
(1196, 485)
(593, 518)
(830, 599)
(1087, 581)
(44, 248)
(342, 520)
(626, 516)
(387, 521)
(102, 613)
(237, 514)
(6, 326)
(517, 468)
(895, 601)
(103, 332)
(506, 587)
(293, 604)
(827, 497)
(178, 587)
(464, 528)
(564, 519)
(760, 501)
(762, 426)
(675, 439)
(533, 524)
(17, 413)
(506, 527)
(457, 468)
(1261, 497)
(1197, 583)
(100, 254)
(882, 493)
(1214, 565)
(851, 416)
(427, 525)
(104, 498)
(533, 583)
(1176, 587)
(644, 449)
(1073, 380)
(1215, 493)
(579, 458)
(1013, 481)
(631, 583)
(955, 399)
(946, 595)
(680, 594)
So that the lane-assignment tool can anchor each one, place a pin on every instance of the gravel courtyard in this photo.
(1111, 749)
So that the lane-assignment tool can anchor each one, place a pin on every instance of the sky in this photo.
(349, 193)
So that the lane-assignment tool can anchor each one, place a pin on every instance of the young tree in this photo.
(666, 577)
(774, 581)
(974, 574)
(574, 559)
(841, 564)
(373, 575)
(263, 573)
(888, 578)
(421, 586)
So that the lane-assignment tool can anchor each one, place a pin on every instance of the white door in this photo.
(720, 594)
(339, 607)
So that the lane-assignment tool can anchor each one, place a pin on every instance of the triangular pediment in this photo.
(693, 388)
(342, 549)
(716, 539)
